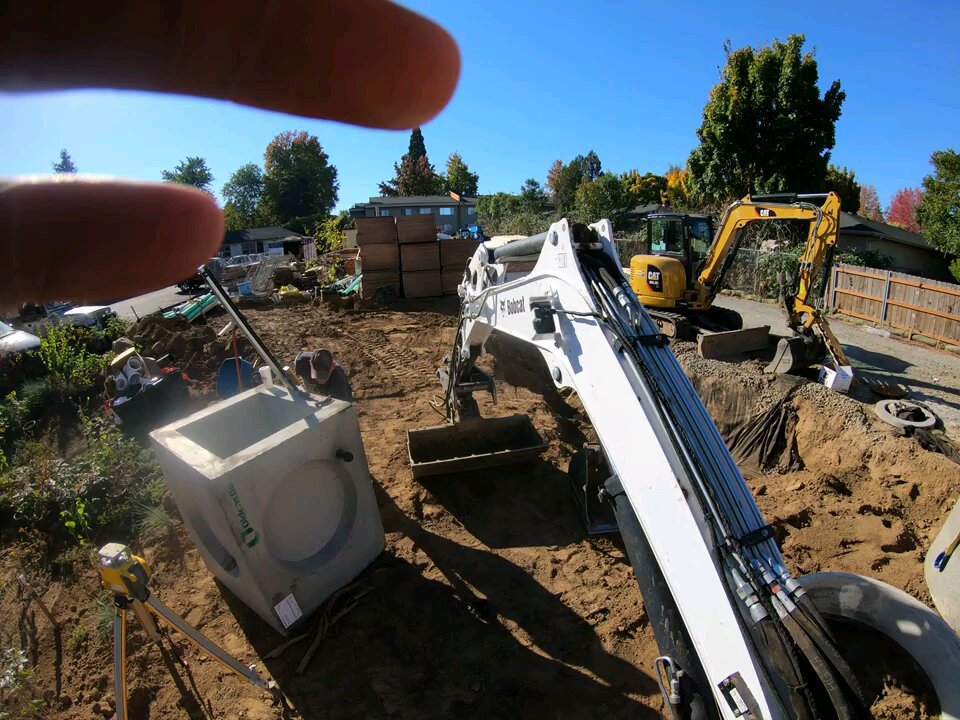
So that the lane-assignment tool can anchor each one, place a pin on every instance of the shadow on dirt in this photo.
(435, 647)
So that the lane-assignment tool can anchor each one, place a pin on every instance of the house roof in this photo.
(425, 200)
(263, 234)
(851, 224)
(641, 210)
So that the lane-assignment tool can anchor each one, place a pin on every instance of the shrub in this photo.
(101, 488)
(72, 369)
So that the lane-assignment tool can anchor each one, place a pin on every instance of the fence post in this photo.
(886, 294)
(833, 287)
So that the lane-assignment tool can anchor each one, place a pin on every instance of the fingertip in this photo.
(89, 239)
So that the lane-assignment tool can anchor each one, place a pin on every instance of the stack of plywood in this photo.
(419, 256)
(454, 254)
(379, 255)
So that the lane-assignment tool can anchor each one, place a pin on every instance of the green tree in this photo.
(329, 232)
(589, 164)
(243, 194)
(644, 189)
(939, 210)
(563, 180)
(506, 214)
(870, 203)
(459, 179)
(605, 197)
(532, 196)
(65, 165)
(192, 171)
(299, 182)
(765, 127)
(417, 147)
(843, 182)
(413, 175)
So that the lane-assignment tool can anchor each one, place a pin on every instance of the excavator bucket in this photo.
(473, 444)
(796, 352)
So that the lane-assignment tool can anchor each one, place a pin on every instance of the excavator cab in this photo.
(676, 247)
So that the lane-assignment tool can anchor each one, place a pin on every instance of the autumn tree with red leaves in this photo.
(903, 209)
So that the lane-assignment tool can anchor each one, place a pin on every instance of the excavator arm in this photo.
(730, 621)
(801, 315)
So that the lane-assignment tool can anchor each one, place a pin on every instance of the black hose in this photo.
(785, 663)
(821, 666)
(832, 653)
(696, 701)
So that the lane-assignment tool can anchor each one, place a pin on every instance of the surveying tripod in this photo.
(125, 575)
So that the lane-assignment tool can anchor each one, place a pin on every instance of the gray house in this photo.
(275, 240)
(451, 212)
(908, 250)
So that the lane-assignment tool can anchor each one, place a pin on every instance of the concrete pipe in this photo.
(906, 621)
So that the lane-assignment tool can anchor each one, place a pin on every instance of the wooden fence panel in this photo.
(907, 302)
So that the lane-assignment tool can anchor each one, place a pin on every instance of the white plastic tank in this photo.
(276, 493)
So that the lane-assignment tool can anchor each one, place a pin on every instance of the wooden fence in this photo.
(913, 304)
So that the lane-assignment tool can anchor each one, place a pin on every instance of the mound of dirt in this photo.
(490, 601)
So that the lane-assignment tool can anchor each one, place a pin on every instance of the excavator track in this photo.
(674, 325)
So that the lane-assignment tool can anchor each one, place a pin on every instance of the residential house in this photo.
(908, 251)
(273, 240)
(451, 212)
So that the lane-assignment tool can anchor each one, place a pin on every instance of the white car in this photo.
(36, 318)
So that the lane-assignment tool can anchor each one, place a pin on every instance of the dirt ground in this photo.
(490, 601)
(930, 375)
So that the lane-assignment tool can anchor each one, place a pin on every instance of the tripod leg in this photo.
(120, 658)
(207, 645)
(146, 620)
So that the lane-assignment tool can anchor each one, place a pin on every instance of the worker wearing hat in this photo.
(322, 375)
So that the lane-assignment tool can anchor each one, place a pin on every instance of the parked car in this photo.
(196, 284)
(236, 268)
(16, 361)
(35, 317)
(13, 341)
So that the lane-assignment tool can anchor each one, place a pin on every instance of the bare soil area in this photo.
(490, 601)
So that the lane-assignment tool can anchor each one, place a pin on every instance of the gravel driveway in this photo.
(931, 375)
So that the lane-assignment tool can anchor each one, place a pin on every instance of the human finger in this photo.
(366, 62)
(81, 238)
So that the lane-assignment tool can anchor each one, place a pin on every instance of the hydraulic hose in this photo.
(785, 663)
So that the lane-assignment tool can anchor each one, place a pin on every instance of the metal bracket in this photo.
(757, 536)
(655, 340)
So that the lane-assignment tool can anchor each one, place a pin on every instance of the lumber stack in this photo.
(454, 254)
(419, 256)
(379, 255)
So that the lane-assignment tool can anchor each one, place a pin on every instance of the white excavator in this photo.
(739, 637)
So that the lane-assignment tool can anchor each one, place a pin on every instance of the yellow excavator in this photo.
(679, 276)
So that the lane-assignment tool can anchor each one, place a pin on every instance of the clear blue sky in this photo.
(541, 82)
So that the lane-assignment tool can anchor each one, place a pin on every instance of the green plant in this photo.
(101, 486)
(153, 522)
(103, 613)
(76, 521)
(78, 637)
(72, 369)
(19, 697)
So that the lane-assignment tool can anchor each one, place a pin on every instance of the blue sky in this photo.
(546, 81)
